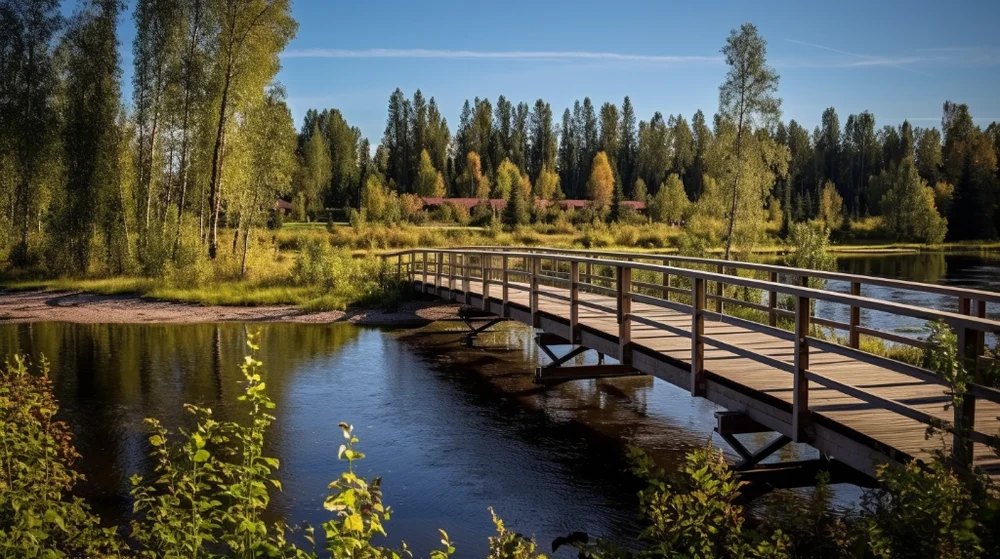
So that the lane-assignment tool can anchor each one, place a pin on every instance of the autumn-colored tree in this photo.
(429, 183)
(831, 206)
(472, 181)
(508, 178)
(602, 181)
(547, 184)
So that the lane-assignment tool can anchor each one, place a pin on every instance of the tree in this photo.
(653, 155)
(747, 99)
(508, 178)
(628, 144)
(429, 183)
(29, 138)
(683, 149)
(639, 191)
(547, 185)
(610, 140)
(568, 153)
(251, 35)
(542, 140)
(472, 181)
(831, 206)
(602, 181)
(516, 211)
(271, 154)
(908, 210)
(92, 137)
(617, 197)
(670, 204)
(929, 155)
(398, 139)
(702, 135)
(315, 171)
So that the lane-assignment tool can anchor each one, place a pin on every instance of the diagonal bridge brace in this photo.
(764, 478)
(556, 372)
(485, 321)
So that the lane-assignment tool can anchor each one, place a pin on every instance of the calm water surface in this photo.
(452, 430)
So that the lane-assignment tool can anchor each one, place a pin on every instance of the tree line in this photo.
(917, 180)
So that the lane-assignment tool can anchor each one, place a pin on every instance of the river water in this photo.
(452, 430)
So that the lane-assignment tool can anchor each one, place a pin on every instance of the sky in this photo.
(897, 59)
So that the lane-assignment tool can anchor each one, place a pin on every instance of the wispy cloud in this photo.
(541, 56)
(859, 60)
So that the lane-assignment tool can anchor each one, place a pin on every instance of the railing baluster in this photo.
(574, 300)
(772, 301)
(624, 314)
(504, 290)
(800, 384)
(969, 349)
(854, 337)
(697, 333)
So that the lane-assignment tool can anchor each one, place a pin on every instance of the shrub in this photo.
(39, 517)
(314, 264)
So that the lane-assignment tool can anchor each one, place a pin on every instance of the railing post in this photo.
(451, 276)
(504, 290)
(437, 273)
(969, 350)
(697, 333)
(666, 281)
(574, 300)
(533, 293)
(719, 290)
(465, 279)
(399, 266)
(484, 271)
(624, 314)
(423, 268)
(800, 384)
(772, 301)
(854, 337)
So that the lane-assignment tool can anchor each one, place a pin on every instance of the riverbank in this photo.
(89, 308)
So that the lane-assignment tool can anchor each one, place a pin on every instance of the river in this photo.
(452, 430)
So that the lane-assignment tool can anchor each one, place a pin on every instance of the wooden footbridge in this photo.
(744, 336)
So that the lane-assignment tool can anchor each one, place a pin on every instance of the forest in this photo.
(192, 166)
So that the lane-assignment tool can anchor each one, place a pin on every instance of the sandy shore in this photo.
(53, 306)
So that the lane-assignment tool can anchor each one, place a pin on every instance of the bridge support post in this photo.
(969, 348)
(666, 282)
(451, 276)
(800, 384)
(697, 333)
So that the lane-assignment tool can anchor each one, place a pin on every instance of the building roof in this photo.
(499, 203)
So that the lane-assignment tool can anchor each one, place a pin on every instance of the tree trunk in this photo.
(215, 183)
(736, 188)
(185, 126)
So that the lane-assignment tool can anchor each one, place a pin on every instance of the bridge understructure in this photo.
(745, 337)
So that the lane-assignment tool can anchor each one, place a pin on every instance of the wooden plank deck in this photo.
(853, 431)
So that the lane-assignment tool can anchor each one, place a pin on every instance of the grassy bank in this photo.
(320, 267)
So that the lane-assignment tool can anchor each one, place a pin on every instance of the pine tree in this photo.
(515, 212)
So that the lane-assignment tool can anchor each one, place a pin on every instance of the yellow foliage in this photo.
(602, 181)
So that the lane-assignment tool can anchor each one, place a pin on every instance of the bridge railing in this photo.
(650, 279)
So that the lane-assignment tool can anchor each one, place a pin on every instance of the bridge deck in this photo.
(875, 434)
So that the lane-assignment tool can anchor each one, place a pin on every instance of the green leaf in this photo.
(201, 456)
(156, 440)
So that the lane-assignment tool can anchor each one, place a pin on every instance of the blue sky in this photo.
(897, 59)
